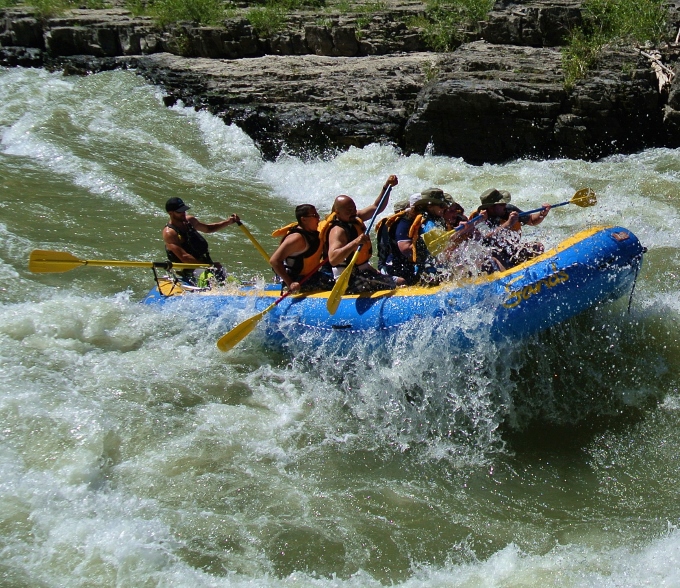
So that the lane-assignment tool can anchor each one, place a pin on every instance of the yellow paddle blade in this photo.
(242, 330)
(439, 243)
(43, 261)
(254, 241)
(340, 287)
(432, 236)
(584, 198)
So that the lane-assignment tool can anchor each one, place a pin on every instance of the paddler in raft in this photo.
(462, 254)
(343, 235)
(506, 221)
(299, 254)
(403, 250)
(185, 244)
(384, 232)
(406, 254)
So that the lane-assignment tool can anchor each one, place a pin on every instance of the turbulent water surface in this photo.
(134, 453)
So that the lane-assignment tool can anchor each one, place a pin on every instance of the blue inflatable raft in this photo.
(593, 266)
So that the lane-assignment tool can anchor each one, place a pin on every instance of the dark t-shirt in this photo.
(402, 229)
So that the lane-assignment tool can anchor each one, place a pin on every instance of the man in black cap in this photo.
(183, 242)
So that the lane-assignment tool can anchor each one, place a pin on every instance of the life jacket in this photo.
(352, 230)
(192, 242)
(384, 231)
(414, 234)
(421, 254)
(409, 267)
(305, 263)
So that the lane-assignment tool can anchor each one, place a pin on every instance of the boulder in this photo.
(492, 103)
(534, 24)
(353, 81)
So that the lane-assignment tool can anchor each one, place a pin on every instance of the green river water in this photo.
(133, 453)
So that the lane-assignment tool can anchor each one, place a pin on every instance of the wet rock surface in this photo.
(313, 87)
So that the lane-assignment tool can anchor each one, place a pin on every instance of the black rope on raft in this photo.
(171, 275)
(632, 290)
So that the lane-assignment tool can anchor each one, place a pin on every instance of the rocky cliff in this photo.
(500, 95)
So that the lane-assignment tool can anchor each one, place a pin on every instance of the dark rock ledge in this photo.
(498, 96)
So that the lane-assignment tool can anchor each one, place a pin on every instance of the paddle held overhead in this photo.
(342, 282)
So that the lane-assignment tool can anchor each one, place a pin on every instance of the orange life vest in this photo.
(352, 230)
(299, 266)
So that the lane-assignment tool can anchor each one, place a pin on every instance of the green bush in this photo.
(580, 55)
(611, 21)
(441, 30)
(287, 5)
(137, 7)
(446, 19)
(271, 17)
(268, 19)
(200, 12)
(47, 8)
(8, 3)
(631, 20)
(299, 4)
(475, 10)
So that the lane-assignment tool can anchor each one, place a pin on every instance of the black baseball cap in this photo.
(176, 205)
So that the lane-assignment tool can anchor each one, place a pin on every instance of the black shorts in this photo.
(369, 280)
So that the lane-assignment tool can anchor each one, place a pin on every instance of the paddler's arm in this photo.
(512, 223)
(537, 217)
(293, 244)
(338, 247)
(469, 226)
(406, 248)
(367, 213)
(212, 227)
(467, 229)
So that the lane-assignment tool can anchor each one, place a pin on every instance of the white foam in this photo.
(133, 452)
(231, 150)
